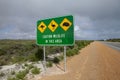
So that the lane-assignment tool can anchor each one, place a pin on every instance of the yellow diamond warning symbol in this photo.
(65, 24)
(42, 27)
(53, 26)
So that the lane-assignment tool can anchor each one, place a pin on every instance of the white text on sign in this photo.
(54, 36)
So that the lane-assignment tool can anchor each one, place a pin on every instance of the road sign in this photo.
(42, 27)
(57, 31)
(65, 24)
(53, 25)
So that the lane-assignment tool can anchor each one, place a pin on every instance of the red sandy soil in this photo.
(95, 62)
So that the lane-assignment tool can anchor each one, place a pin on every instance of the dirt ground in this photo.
(95, 62)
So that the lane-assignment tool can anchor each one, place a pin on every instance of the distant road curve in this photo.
(114, 45)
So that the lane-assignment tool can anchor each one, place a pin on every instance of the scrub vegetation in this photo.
(25, 54)
(113, 40)
(19, 51)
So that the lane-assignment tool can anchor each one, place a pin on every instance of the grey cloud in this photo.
(93, 18)
(17, 36)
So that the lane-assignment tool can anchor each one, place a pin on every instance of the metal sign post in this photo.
(65, 58)
(44, 58)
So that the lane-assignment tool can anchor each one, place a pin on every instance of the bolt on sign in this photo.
(57, 31)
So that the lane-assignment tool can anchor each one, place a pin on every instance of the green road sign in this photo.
(57, 31)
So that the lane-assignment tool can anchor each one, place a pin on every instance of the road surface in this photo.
(115, 45)
(95, 62)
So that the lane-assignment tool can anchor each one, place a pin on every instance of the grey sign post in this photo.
(64, 58)
(44, 59)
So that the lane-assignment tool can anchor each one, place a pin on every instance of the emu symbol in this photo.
(53, 25)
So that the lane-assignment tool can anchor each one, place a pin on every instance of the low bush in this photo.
(2, 52)
(25, 64)
(35, 70)
(49, 64)
(12, 72)
(61, 57)
(12, 78)
(23, 67)
(30, 66)
(69, 53)
(0, 67)
(56, 60)
(39, 54)
(76, 51)
(18, 59)
(72, 52)
(2, 74)
(22, 74)
(3, 62)
(32, 57)
(27, 71)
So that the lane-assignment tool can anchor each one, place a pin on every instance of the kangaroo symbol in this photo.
(42, 26)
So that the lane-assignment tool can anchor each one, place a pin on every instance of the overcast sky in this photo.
(94, 19)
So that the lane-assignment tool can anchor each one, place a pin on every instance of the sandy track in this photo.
(95, 62)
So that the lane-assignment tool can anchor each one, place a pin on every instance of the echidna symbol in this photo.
(66, 24)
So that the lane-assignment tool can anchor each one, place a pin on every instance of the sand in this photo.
(95, 62)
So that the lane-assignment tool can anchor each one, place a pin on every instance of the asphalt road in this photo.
(114, 45)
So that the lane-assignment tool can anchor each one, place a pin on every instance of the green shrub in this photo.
(49, 64)
(22, 74)
(23, 67)
(56, 60)
(0, 67)
(2, 52)
(72, 52)
(32, 57)
(2, 74)
(61, 57)
(35, 70)
(12, 72)
(12, 78)
(27, 71)
(3, 62)
(30, 66)
(69, 53)
(25, 64)
(39, 54)
(18, 59)
(75, 51)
